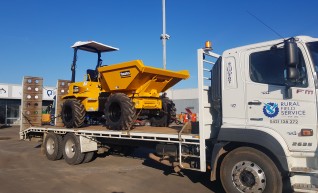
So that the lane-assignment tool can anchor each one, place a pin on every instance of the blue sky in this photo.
(36, 35)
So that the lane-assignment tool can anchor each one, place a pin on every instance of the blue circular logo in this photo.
(271, 110)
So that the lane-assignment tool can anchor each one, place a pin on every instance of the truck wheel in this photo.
(73, 113)
(119, 112)
(166, 115)
(53, 146)
(72, 150)
(246, 169)
(88, 156)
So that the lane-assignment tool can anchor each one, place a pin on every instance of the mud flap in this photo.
(87, 144)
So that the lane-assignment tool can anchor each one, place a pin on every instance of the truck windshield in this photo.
(313, 49)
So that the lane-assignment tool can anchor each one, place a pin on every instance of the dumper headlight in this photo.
(75, 89)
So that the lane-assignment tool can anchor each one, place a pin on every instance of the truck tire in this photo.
(72, 150)
(246, 169)
(166, 115)
(73, 113)
(53, 146)
(88, 156)
(119, 112)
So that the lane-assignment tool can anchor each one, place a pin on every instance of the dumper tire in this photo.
(173, 111)
(72, 149)
(247, 169)
(53, 146)
(120, 112)
(166, 115)
(73, 113)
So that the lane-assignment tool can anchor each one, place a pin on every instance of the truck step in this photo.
(194, 169)
(304, 188)
(304, 170)
(189, 155)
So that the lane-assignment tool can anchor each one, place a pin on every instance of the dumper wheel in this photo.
(73, 113)
(166, 115)
(53, 146)
(172, 111)
(119, 112)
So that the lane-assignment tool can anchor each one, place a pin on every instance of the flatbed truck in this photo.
(257, 121)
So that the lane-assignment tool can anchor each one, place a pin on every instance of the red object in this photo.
(193, 117)
(190, 115)
(188, 111)
(185, 118)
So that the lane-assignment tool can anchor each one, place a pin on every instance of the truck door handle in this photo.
(256, 119)
(254, 103)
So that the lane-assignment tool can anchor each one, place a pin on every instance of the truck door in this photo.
(267, 107)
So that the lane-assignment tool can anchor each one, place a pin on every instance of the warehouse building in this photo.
(10, 101)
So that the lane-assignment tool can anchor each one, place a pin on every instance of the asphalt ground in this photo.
(24, 169)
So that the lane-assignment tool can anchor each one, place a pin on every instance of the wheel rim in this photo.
(159, 114)
(50, 146)
(70, 148)
(114, 112)
(68, 113)
(248, 177)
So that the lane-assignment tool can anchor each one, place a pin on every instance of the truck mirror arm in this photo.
(288, 94)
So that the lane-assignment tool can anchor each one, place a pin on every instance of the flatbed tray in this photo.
(148, 133)
(139, 129)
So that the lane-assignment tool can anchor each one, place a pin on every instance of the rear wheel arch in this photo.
(230, 139)
(223, 148)
(281, 165)
(268, 143)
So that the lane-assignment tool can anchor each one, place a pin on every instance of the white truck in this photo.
(257, 121)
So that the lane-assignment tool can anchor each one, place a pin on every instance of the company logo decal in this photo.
(304, 91)
(270, 109)
(125, 74)
(49, 93)
(229, 72)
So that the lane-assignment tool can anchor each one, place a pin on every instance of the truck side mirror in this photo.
(292, 73)
(291, 59)
(291, 53)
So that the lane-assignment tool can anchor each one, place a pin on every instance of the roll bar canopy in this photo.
(90, 46)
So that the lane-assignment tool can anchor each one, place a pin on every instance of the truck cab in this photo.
(256, 76)
(265, 98)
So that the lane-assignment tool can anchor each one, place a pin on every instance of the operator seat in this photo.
(92, 74)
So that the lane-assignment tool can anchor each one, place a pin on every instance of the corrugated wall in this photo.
(185, 98)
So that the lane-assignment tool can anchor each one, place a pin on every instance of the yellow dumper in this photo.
(119, 93)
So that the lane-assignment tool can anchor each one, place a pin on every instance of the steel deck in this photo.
(144, 133)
